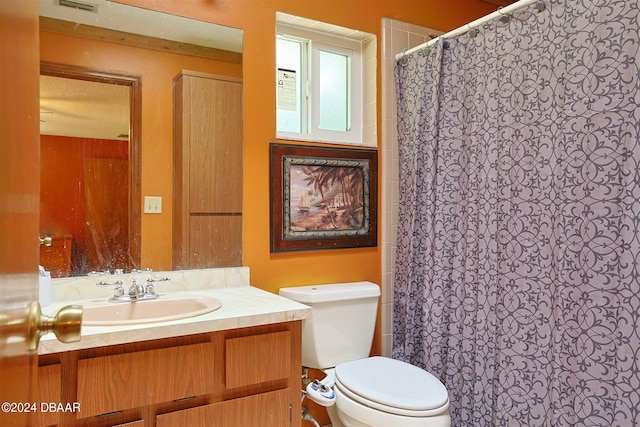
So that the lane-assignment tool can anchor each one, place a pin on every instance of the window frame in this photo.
(317, 41)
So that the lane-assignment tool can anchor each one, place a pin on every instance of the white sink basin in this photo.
(166, 308)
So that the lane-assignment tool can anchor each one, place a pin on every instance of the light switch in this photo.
(152, 205)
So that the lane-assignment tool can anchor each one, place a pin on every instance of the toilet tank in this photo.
(342, 323)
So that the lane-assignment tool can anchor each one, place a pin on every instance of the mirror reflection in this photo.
(84, 191)
(92, 127)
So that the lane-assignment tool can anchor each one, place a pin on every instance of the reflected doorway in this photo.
(105, 199)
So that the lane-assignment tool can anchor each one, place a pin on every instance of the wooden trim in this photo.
(208, 76)
(129, 39)
(134, 82)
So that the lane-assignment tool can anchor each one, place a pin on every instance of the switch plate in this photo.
(152, 205)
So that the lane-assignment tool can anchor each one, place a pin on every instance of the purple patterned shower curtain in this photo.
(517, 273)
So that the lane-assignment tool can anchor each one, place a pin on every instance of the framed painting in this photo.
(323, 198)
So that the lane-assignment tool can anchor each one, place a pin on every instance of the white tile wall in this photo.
(396, 36)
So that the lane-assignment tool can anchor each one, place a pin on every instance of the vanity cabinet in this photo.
(234, 378)
(207, 209)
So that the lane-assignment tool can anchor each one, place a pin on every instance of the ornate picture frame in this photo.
(323, 198)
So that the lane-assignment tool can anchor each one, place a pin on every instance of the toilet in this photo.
(362, 391)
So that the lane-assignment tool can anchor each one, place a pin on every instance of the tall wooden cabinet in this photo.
(207, 210)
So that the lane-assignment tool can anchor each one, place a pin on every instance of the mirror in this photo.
(92, 136)
(89, 171)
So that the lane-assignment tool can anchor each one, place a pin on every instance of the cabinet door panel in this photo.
(49, 390)
(262, 410)
(125, 381)
(202, 416)
(214, 241)
(257, 359)
(215, 149)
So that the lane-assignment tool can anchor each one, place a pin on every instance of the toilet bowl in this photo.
(363, 391)
(383, 392)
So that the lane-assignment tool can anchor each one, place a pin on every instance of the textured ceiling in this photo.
(83, 109)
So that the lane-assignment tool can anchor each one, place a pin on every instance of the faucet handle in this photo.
(118, 291)
(150, 289)
(163, 279)
(116, 283)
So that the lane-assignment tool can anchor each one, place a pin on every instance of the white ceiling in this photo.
(83, 109)
(98, 110)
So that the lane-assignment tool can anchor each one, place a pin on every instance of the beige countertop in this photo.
(242, 306)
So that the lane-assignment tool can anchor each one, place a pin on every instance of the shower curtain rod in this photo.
(470, 26)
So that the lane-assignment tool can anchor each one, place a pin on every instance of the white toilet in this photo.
(369, 391)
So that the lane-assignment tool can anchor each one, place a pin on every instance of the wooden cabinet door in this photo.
(49, 390)
(213, 240)
(134, 380)
(262, 410)
(201, 416)
(207, 221)
(214, 116)
(256, 359)
(271, 409)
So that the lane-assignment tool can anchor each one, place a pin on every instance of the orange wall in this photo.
(257, 19)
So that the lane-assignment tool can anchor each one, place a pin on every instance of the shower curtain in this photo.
(517, 267)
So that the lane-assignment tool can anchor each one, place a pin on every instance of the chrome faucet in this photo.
(136, 292)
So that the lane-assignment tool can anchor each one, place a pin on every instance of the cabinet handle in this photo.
(183, 399)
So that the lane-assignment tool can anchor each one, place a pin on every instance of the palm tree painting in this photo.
(322, 198)
(326, 198)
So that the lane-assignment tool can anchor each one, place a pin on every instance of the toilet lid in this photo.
(392, 384)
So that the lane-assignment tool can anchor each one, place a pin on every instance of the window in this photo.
(321, 85)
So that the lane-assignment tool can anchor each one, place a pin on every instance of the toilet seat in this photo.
(392, 386)
(352, 413)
